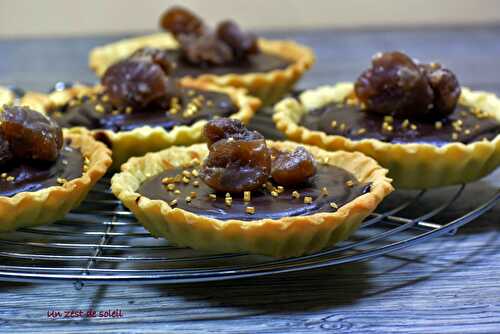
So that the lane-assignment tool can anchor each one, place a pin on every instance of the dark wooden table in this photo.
(447, 285)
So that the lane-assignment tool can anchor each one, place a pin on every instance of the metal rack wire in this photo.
(101, 242)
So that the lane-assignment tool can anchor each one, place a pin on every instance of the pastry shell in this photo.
(412, 165)
(139, 141)
(50, 204)
(284, 237)
(268, 86)
(6, 96)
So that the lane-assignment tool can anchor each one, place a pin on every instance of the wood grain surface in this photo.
(447, 285)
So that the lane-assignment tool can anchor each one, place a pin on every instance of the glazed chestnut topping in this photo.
(205, 50)
(223, 128)
(292, 168)
(237, 161)
(181, 21)
(155, 56)
(134, 82)
(5, 151)
(201, 46)
(242, 44)
(29, 135)
(398, 86)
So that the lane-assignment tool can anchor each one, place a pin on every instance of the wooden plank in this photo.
(447, 285)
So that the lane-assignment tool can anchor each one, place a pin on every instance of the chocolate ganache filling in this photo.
(23, 176)
(257, 63)
(353, 122)
(400, 100)
(334, 179)
(97, 112)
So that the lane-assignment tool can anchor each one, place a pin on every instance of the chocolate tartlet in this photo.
(413, 118)
(240, 192)
(43, 174)
(225, 56)
(140, 107)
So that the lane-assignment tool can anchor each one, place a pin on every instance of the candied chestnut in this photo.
(223, 128)
(180, 21)
(292, 168)
(242, 44)
(394, 85)
(156, 56)
(134, 83)
(30, 134)
(5, 152)
(445, 86)
(238, 158)
(205, 50)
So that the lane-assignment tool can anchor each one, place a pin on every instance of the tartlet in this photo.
(280, 63)
(35, 192)
(139, 140)
(460, 147)
(301, 221)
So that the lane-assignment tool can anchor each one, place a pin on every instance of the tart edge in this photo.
(281, 238)
(50, 204)
(412, 165)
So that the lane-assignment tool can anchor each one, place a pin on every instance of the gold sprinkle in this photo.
(186, 173)
(193, 194)
(334, 124)
(228, 195)
(11, 178)
(405, 124)
(210, 103)
(196, 183)
(185, 180)
(349, 183)
(247, 196)
(228, 201)
(195, 173)
(65, 162)
(388, 119)
(295, 194)
(128, 110)
(274, 193)
(173, 202)
(342, 127)
(467, 132)
(361, 131)
(188, 199)
(168, 180)
(334, 205)
(413, 127)
(171, 187)
(308, 200)
(177, 192)
(438, 125)
(59, 180)
(3, 175)
(105, 98)
(212, 196)
(195, 161)
(454, 136)
(250, 210)
(99, 108)
(280, 189)
(324, 191)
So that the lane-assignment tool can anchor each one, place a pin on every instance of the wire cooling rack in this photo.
(101, 242)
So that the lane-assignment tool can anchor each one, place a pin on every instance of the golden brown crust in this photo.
(285, 237)
(410, 165)
(139, 141)
(50, 204)
(269, 86)
(6, 96)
